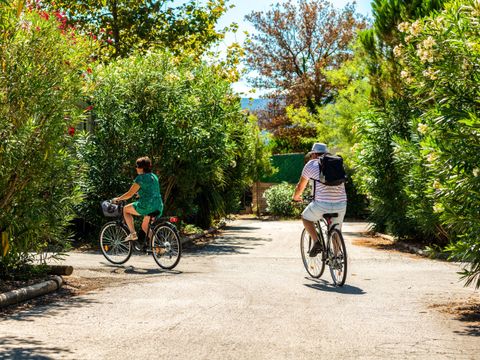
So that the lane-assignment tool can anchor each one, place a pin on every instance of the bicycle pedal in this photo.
(139, 246)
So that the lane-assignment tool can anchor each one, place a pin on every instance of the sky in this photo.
(244, 7)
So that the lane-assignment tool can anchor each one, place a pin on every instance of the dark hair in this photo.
(144, 163)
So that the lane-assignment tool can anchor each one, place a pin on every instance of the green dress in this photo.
(150, 199)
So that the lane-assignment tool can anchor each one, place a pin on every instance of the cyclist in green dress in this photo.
(147, 187)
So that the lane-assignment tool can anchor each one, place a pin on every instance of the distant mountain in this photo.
(254, 104)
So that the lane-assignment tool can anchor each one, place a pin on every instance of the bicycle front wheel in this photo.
(314, 265)
(113, 244)
(166, 246)
(337, 258)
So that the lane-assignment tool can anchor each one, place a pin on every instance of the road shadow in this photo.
(141, 271)
(470, 330)
(325, 286)
(226, 245)
(238, 228)
(19, 348)
(466, 311)
(233, 240)
(49, 305)
(355, 234)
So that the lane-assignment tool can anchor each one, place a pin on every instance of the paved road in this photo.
(247, 296)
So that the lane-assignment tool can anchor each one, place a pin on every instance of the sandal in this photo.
(316, 248)
(131, 237)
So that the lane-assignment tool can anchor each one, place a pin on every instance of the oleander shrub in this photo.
(440, 60)
(377, 172)
(183, 114)
(279, 200)
(41, 84)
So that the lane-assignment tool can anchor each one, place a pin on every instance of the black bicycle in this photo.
(333, 253)
(162, 239)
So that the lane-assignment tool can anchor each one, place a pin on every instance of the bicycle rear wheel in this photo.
(166, 246)
(314, 265)
(337, 257)
(113, 244)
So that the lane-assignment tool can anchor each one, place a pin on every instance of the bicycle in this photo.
(162, 240)
(333, 253)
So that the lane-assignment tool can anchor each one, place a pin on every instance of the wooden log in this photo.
(29, 292)
(60, 270)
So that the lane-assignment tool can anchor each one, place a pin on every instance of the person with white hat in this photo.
(326, 199)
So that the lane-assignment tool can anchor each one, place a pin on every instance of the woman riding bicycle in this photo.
(148, 188)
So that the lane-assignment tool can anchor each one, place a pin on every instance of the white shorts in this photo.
(315, 210)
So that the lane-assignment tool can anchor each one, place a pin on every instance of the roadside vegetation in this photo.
(60, 74)
(399, 102)
(85, 90)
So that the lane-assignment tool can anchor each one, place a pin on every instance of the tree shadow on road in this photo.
(470, 330)
(236, 239)
(226, 245)
(465, 310)
(237, 228)
(49, 305)
(28, 348)
(141, 271)
(323, 285)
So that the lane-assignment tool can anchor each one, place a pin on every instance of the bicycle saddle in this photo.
(330, 215)
(155, 213)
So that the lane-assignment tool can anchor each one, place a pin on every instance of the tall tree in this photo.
(125, 25)
(380, 40)
(294, 44)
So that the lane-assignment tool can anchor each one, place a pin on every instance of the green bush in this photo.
(279, 200)
(183, 114)
(377, 172)
(440, 60)
(40, 86)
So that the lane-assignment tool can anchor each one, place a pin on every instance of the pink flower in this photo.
(89, 108)
(44, 15)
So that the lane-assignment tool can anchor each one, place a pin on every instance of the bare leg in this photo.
(145, 222)
(128, 212)
(336, 244)
(310, 227)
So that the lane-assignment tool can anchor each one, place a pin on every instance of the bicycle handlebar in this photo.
(305, 200)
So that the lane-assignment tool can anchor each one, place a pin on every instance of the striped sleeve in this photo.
(311, 170)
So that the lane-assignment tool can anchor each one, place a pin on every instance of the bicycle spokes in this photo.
(166, 246)
(337, 258)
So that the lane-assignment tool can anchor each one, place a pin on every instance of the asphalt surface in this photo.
(247, 296)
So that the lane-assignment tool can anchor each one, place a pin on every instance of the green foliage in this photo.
(439, 60)
(377, 173)
(279, 200)
(336, 123)
(379, 41)
(183, 114)
(190, 229)
(123, 26)
(41, 84)
(418, 156)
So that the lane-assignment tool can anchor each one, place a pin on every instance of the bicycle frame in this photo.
(327, 223)
(154, 221)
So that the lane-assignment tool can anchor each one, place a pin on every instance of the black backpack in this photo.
(332, 172)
